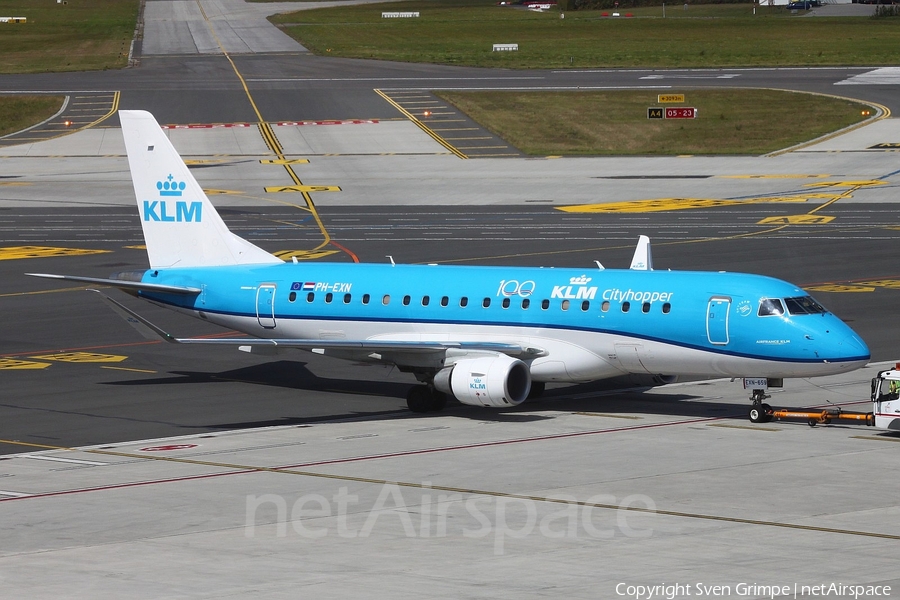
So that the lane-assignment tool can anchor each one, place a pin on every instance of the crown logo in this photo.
(170, 187)
(579, 280)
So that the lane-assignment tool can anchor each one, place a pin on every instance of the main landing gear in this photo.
(760, 412)
(424, 398)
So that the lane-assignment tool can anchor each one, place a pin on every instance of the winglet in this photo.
(643, 258)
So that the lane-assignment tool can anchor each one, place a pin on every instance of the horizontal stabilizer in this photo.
(142, 325)
(151, 331)
(124, 285)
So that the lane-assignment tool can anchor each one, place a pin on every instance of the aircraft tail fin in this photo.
(181, 226)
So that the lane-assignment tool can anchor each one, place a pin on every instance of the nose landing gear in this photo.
(760, 412)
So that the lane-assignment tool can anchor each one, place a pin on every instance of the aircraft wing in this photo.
(124, 284)
(151, 331)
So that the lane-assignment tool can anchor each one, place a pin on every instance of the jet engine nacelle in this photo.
(486, 381)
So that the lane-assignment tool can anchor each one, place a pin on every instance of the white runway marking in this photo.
(73, 461)
(883, 76)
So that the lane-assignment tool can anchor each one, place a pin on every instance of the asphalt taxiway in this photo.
(587, 498)
(302, 475)
(86, 377)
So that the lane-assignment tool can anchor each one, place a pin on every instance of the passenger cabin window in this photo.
(564, 305)
(804, 305)
(486, 302)
(365, 299)
(406, 300)
(525, 303)
(310, 297)
(346, 298)
(770, 307)
(605, 306)
(386, 299)
(505, 303)
(545, 304)
(292, 296)
(329, 297)
(425, 300)
(645, 307)
(463, 302)
(445, 301)
(626, 306)
(585, 305)
(666, 308)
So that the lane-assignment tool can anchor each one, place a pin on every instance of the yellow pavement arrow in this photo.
(302, 188)
(796, 220)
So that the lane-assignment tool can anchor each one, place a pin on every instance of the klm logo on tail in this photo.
(161, 210)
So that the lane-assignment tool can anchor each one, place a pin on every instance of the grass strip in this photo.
(744, 121)
(462, 32)
(80, 35)
(20, 112)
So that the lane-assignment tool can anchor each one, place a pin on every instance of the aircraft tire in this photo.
(757, 414)
(438, 401)
(419, 399)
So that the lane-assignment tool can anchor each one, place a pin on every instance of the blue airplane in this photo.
(488, 336)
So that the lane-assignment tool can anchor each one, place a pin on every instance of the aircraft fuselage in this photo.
(592, 323)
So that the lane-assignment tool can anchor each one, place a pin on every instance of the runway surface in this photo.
(136, 469)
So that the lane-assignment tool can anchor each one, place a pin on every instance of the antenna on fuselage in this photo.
(643, 258)
(393, 264)
(599, 266)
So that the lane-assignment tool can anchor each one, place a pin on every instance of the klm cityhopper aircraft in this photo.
(488, 336)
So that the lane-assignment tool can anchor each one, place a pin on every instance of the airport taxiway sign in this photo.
(683, 112)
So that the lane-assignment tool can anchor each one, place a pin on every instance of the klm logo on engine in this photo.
(167, 211)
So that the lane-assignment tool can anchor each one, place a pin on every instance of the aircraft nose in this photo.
(853, 347)
(848, 347)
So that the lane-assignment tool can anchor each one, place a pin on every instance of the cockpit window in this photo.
(769, 307)
(804, 305)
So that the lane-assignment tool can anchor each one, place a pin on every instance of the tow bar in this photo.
(763, 413)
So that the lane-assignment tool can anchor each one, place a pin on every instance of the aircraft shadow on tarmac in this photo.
(287, 374)
(591, 398)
